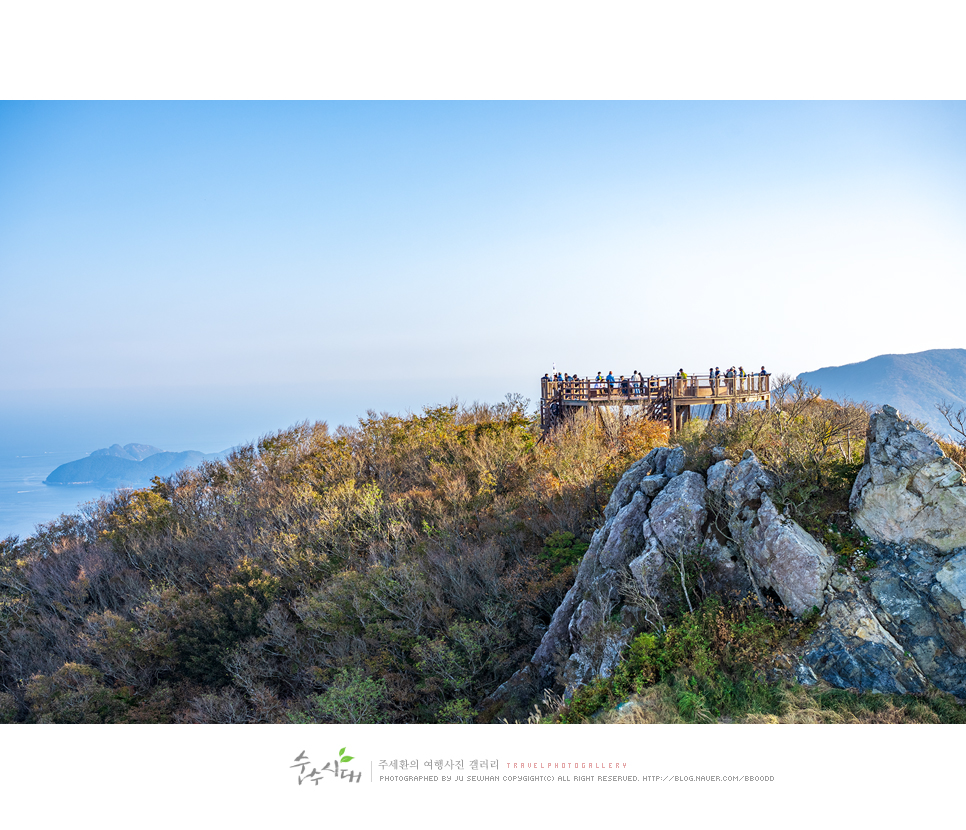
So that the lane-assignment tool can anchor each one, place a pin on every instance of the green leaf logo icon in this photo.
(343, 757)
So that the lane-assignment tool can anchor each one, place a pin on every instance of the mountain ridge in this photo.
(913, 383)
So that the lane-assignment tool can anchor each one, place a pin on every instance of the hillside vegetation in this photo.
(401, 571)
(395, 572)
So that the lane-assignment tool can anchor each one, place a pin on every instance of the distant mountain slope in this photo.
(133, 465)
(912, 383)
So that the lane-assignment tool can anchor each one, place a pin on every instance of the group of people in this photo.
(602, 384)
(715, 376)
(715, 373)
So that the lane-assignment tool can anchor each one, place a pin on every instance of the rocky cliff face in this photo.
(912, 627)
(898, 629)
(910, 501)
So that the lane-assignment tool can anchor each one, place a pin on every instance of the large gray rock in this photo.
(718, 477)
(674, 529)
(626, 488)
(626, 533)
(852, 650)
(674, 464)
(782, 556)
(646, 475)
(952, 577)
(679, 513)
(779, 553)
(908, 491)
(918, 595)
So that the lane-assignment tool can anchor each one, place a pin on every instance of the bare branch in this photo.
(956, 420)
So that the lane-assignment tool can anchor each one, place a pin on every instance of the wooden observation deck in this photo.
(666, 399)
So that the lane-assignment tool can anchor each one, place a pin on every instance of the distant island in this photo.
(133, 465)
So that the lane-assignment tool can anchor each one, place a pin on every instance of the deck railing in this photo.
(694, 386)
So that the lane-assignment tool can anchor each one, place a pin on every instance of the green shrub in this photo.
(588, 701)
(563, 550)
(351, 698)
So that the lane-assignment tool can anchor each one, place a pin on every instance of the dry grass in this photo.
(804, 705)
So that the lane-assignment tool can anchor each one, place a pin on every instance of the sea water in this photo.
(25, 501)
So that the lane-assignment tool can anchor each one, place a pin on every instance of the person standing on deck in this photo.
(610, 383)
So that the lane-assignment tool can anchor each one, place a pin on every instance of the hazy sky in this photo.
(315, 259)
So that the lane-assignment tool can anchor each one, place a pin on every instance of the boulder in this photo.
(745, 483)
(782, 556)
(646, 475)
(674, 463)
(952, 578)
(674, 527)
(626, 488)
(908, 491)
(718, 476)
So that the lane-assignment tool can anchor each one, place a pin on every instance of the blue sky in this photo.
(313, 260)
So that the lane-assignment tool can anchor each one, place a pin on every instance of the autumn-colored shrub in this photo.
(410, 552)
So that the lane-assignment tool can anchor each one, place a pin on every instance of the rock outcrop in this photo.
(898, 627)
(908, 491)
(657, 516)
(656, 506)
(906, 622)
